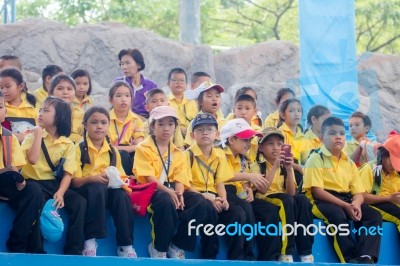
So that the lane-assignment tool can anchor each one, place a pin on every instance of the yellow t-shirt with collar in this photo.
(351, 146)
(134, 128)
(313, 143)
(390, 181)
(40, 94)
(57, 149)
(202, 179)
(277, 184)
(330, 173)
(99, 160)
(254, 119)
(24, 110)
(272, 120)
(77, 126)
(237, 166)
(188, 139)
(185, 109)
(86, 103)
(300, 144)
(17, 156)
(147, 162)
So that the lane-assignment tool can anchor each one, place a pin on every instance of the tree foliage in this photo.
(223, 22)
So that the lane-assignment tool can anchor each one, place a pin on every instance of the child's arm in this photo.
(80, 181)
(160, 186)
(59, 195)
(298, 167)
(34, 151)
(290, 179)
(179, 189)
(131, 148)
(258, 180)
(373, 199)
(221, 203)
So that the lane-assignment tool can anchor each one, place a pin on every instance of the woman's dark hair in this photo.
(366, 120)
(381, 154)
(243, 90)
(317, 111)
(136, 56)
(115, 86)
(83, 73)
(57, 79)
(85, 158)
(281, 92)
(63, 115)
(282, 108)
(50, 71)
(16, 75)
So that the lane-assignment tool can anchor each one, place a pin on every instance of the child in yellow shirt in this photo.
(48, 73)
(83, 88)
(282, 95)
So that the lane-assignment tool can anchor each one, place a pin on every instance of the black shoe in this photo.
(361, 260)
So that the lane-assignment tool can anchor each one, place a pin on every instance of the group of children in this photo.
(207, 168)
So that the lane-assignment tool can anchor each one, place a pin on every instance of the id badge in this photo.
(209, 196)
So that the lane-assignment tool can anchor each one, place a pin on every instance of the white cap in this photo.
(194, 94)
(237, 127)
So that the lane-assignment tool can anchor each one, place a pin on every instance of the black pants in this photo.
(98, 197)
(345, 246)
(390, 212)
(25, 234)
(294, 209)
(233, 199)
(75, 205)
(269, 246)
(127, 161)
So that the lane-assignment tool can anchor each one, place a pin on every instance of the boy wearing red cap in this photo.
(381, 180)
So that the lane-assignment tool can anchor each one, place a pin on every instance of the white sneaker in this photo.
(175, 253)
(154, 253)
(307, 258)
(285, 258)
(127, 253)
(89, 251)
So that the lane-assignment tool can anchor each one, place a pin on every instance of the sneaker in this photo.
(154, 253)
(285, 258)
(127, 253)
(307, 258)
(89, 251)
(175, 253)
(361, 260)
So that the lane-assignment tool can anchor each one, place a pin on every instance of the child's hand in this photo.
(224, 203)
(395, 198)
(21, 186)
(181, 200)
(101, 178)
(250, 195)
(217, 205)
(37, 130)
(174, 198)
(259, 181)
(58, 200)
(280, 159)
(356, 211)
(288, 162)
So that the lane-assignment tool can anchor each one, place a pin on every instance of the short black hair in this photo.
(51, 71)
(153, 92)
(245, 98)
(57, 79)
(177, 70)
(330, 121)
(83, 73)
(366, 120)
(197, 75)
(63, 115)
(14, 58)
(136, 56)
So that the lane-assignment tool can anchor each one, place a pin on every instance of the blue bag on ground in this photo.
(51, 224)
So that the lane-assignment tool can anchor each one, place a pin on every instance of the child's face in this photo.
(158, 99)
(164, 128)
(271, 147)
(47, 113)
(387, 164)
(177, 83)
(2, 109)
(12, 91)
(82, 86)
(211, 101)
(129, 66)
(317, 122)
(334, 138)
(292, 114)
(238, 145)
(245, 110)
(357, 127)
(97, 126)
(121, 101)
(205, 135)
(64, 91)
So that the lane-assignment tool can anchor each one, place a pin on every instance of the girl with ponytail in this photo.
(93, 156)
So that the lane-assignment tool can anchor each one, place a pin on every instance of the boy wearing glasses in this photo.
(185, 109)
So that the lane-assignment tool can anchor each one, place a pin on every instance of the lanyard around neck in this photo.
(166, 167)
(122, 133)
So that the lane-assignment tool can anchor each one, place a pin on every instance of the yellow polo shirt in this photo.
(41, 94)
(237, 166)
(340, 175)
(57, 149)
(99, 160)
(390, 181)
(134, 128)
(185, 109)
(188, 139)
(202, 179)
(17, 156)
(77, 126)
(277, 184)
(147, 162)
(313, 143)
(300, 144)
(86, 103)
(24, 110)
(272, 120)
(350, 147)
(254, 119)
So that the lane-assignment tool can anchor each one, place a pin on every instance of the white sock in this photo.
(90, 243)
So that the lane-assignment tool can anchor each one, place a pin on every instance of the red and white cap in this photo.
(392, 145)
(237, 127)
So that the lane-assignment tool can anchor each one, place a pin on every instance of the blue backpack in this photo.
(51, 224)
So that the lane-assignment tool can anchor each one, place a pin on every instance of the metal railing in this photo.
(8, 11)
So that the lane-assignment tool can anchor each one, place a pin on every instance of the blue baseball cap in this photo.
(204, 118)
(51, 224)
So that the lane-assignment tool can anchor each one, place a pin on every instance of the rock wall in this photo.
(266, 66)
